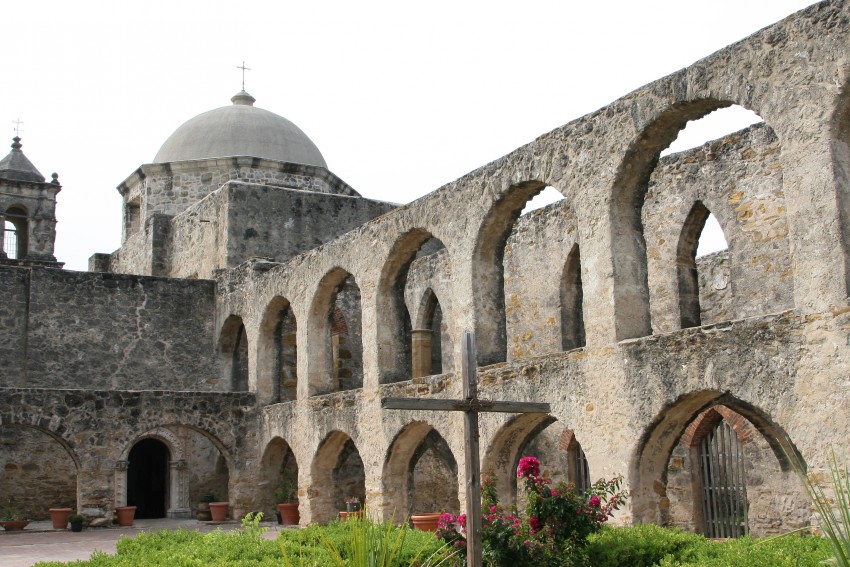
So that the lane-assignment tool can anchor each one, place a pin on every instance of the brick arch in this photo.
(488, 270)
(322, 323)
(269, 387)
(708, 420)
(394, 332)
(402, 454)
(648, 469)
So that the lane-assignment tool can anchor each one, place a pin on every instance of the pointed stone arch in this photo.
(335, 335)
(277, 460)
(489, 274)
(277, 354)
(686, 266)
(419, 452)
(572, 300)
(337, 473)
(652, 458)
(428, 337)
(396, 332)
(233, 353)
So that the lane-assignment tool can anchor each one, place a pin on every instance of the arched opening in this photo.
(572, 298)
(429, 337)
(662, 207)
(432, 477)
(147, 478)
(278, 354)
(489, 265)
(38, 471)
(233, 347)
(542, 436)
(413, 262)
(132, 217)
(16, 233)
(279, 470)
(691, 472)
(420, 473)
(338, 475)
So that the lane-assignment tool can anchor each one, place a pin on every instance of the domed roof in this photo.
(240, 130)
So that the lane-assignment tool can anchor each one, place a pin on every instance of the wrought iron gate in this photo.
(724, 491)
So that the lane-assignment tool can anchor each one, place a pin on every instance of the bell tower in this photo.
(27, 212)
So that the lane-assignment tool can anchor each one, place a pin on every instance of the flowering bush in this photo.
(554, 529)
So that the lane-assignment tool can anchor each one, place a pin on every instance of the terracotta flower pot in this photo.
(425, 522)
(59, 517)
(348, 515)
(219, 511)
(289, 514)
(14, 526)
(204, 512)
(125, 515)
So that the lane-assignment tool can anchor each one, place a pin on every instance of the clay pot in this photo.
(218, 510)
(125, 515)
(14, 526)
(203, 512)
(425, 522)
(59, 517)
(289, 514)
(349, 515)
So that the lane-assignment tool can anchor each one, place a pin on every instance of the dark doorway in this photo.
(147, 478)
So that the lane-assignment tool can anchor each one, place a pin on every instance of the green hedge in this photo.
(648, 546)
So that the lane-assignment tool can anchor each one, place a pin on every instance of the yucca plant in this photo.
(834, 509)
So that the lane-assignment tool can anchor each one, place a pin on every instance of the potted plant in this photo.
(59, 517)
(76, 522)
(286, 498)
(11, 521)
(352, 508)
(204, 514)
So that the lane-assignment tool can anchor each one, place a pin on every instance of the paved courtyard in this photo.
(40, 542)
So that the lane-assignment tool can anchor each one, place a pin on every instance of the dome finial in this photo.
(243, 98)
(16, 143)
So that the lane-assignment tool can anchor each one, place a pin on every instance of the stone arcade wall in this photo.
(103, 331)
(630, 393)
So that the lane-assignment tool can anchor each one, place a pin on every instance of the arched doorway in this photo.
(147, 478)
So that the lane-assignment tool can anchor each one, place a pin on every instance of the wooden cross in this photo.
(17, 122)
(244, 68)
(470, 405)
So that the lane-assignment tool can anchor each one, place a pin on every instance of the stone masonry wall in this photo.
(96, 331)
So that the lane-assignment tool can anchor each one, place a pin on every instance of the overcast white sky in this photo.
(400, 97)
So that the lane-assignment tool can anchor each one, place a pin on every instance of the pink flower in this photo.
(462, 520)
(534, 522)
(528, 467)
(594, 501)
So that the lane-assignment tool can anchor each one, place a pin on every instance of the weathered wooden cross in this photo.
(471, 406)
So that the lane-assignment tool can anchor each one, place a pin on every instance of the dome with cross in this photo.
(240, 130)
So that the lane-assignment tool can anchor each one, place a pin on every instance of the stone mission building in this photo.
(259, 308)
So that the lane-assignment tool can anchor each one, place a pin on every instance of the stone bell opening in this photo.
(147, 478)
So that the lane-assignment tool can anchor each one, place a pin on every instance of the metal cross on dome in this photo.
(470, 405)
(244, 68)
(17, 122)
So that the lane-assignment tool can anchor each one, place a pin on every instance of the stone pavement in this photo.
(40, 542)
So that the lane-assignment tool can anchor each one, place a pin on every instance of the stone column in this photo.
(120, 498)
(179, 492)
(421, 352)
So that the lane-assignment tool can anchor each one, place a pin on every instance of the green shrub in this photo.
(639, 546)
